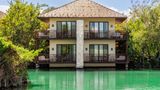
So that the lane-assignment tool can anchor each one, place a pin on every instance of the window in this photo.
(99, 29)
(66, 29)
(98, 52)
(66, 52)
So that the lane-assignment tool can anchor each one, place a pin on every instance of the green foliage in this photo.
(144, 31)
(17, 39)
(24, 54)
(14, 59)
(21, 23)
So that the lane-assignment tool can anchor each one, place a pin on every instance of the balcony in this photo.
(53, 58)
(104, 35)
(111, 58)
(43, 59)
(121, 58)
(53, 34)
(95, 59)
(62, 58)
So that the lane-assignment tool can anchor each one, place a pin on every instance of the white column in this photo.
(80, 44)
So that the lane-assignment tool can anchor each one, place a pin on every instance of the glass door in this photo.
(106, 29)
(66, 52)
(66, 29)
(98, 53)
(99, 29)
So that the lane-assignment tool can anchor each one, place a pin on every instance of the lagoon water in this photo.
(93, 80)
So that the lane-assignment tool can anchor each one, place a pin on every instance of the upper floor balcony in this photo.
(104, 35)
(53, 34)
(88, 35)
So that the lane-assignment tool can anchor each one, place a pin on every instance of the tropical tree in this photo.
(144, 30)
(17, 40)
(13, 61)
(21, 23)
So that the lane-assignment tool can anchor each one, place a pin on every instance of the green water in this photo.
(94, 80)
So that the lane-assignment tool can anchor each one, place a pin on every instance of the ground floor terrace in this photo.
(94, 53)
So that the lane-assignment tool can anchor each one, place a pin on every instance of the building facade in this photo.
(82, 34)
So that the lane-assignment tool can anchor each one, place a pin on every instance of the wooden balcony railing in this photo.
(104, 35)
(53, 34)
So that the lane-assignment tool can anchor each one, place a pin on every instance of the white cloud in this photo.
(125, 12)
(4, 8)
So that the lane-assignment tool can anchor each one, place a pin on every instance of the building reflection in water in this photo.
(72, 80)
(93, 80)
(82, 80)
(99, 80)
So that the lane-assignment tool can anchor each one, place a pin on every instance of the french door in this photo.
(66, 53)
(98, 52)
(99, 29)
(66, 29)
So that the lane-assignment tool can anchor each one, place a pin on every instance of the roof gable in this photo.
(83, 8)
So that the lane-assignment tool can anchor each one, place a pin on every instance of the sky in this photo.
(122, 6)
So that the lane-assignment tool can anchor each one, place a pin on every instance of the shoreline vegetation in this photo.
(17, 42)
(19, 25)
(143, 27)
(13, 70)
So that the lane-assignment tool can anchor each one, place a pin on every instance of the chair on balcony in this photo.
(43, 59)
(42, 34)
(117, 35)
(121, 58)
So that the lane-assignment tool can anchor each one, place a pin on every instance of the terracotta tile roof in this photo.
(83, 8)
(2, 14)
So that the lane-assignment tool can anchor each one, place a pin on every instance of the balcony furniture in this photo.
(121, 58)
(116, 35)
(42, 58)
(40, 34)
